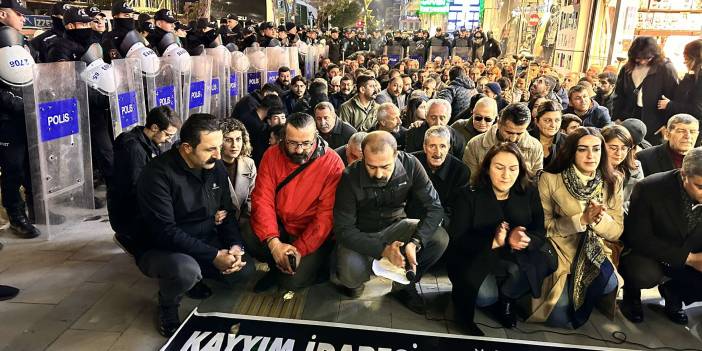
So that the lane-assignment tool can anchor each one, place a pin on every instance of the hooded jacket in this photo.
(458, 93)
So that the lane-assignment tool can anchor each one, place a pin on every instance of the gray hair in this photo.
(442, 102)
(357, 138)
(692, 163)
(325, 105)
(681, 118)
(438, 131)
(384, 111)
(487, 102)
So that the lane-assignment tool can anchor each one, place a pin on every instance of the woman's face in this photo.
(232, 144)
(616, 151)
(689, 62)
(588, 154)
(504, 171)
(549, 123)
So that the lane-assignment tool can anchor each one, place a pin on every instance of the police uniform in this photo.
(44, 41)
(232, 35)
(120, 27)
(14, 156)
(157, 34)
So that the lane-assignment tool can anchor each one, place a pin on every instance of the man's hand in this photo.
(280, 252)
(393, 254)
(411, 254)
(416, 123)
(518, 239)
(238, 254)
(220, 216)
(500, 235)
(224, 260)
(694, 260)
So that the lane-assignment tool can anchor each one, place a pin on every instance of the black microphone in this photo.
(409, 273)
(293, 261)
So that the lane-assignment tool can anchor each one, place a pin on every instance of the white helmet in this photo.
(98, 74)
(240, 62)
(16, 62)
(178, 57)
(149, 60)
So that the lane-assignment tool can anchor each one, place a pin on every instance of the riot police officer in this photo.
(248, 38)
(42, 42)
(14, 158)
(164, 23)
(99, 21)
(145, 24)
(233, 33)
(122, 23)
(80, 44)
(312, 36)
(462, 41)
(334, 46)
(200, 38)
(268, 39)
(349, 44)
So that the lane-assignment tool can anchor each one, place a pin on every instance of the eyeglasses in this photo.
(294, 144)
(479, 118)
(614, 148)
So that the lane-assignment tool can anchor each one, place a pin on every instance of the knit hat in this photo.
(636, 128)
(494, 87)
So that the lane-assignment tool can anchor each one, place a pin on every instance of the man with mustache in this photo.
(333, 130)
(388, 117)
(682, 131)
(292, 204)
(370, 220)
(178, 194)
(447, 173)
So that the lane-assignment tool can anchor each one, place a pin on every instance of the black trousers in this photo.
(14, 165)
(308, 269)
(642, 272)
(101, 136)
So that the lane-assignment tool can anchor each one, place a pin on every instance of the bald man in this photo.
(370, 221)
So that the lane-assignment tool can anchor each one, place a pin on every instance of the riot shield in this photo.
(58, 139)
(198, 100)
(464, 53)
(417, 52)
(276, 57)
(294, 61)
(442, 51)
(313, 55)
(219, 96)
(127, 102)
(395, 54)
(239, 67)
(164, 88)
(257, 68)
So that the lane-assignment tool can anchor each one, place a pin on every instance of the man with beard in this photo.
(438, 114)
(291, 227)
(605, 90)
(543, 87)
(370, 220)
(447, 173)
(164, 24)
(332, 129)
(122, 23)
(360, 111)
(344, 94)
(296, 99)
(178, 194)
(44, 41)
(388, 117)
(283, 80)
(393, 93)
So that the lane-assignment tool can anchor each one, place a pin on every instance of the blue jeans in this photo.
(560, 316)
(514, 284)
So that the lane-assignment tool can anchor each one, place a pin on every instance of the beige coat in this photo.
(478, 147)
(562, 221)
(243, 187)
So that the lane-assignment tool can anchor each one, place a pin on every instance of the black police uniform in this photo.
(334, 50)
(14, 158)
(112, 40)
(349, 46)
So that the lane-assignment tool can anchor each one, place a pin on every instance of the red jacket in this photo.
(305, 205)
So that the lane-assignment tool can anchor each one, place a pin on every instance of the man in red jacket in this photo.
(292, 206)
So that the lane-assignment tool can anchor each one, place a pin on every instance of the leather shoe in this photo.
(631, 309)
(409, 297)
(21, 226)
(8, 292)
(168, 320)
(673, 305)
(199, 292)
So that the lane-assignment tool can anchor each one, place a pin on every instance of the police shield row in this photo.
(68, 106)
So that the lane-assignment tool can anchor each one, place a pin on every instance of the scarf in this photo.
(590, 255)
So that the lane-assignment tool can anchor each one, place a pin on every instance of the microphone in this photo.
(409, 273)
(293, 261)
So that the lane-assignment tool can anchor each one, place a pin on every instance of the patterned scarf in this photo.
(590, 255)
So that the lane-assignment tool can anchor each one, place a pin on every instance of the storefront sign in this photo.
(433, 6)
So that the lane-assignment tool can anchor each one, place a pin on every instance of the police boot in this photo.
(20, 224)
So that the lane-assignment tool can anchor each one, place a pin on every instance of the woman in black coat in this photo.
(645, 78)
(688, 95)
(498, 230)
(547, 126)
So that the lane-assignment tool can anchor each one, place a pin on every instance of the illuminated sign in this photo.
(433, 6)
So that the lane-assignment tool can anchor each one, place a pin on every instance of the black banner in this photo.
(231, 332)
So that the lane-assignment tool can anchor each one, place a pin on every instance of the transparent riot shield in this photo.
(395, 54)
(313, 54)
(164, 88)
(197, 91)
(417, 52)
(442, 51)
(463, 52)
(257, 69)
(276, 57)
(58, 139)
(127, 103)
(239, 67)
(219, 96)
(294, 61)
